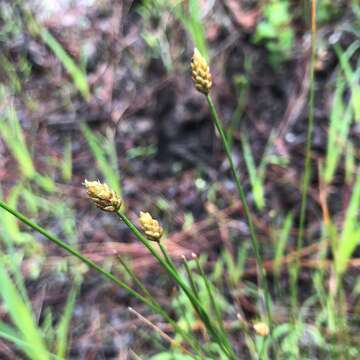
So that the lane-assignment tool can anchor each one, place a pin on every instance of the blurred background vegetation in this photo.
(101, 89)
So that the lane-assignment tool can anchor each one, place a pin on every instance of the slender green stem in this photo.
(226, 347)
(172, 271)
(193, 288)
(309, 134)
(166, 255)
(74, 252)
(192, 341)
(136, 280)
(240, 189)
(213, 330)
(163, 262)
(149, 302)
(191, 278)
(222, 332)
(211, 296)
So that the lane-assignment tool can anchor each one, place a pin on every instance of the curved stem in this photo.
(149, 302)
(73, 252)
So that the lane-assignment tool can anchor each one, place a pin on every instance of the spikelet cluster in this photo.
(200, 73)
(103, 197)
(261, 329)
(151, 227)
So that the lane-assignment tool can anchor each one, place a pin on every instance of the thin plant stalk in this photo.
(136, 280)
(211, 296)
(308, 152)
(149, 302)
(213, 330)
(106, 199)
(247, 212)
(190, 277)
(71, 251)
(166, 255)
(162, 312)
(166, 337)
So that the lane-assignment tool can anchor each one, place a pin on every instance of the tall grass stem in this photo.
(254, 241)
(75, 253)
(172, 271)
(149, 302)
(308, 152)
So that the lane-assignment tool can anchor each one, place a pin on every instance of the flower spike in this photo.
(261, 329)
(150, 227)
(103, 197)
(200, 73)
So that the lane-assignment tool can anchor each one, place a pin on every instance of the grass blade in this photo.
(63, 341)
(280, 244)
(104, 151)
(22, 316)
(340, 120)
(255, 179)
(189, 13)
(12, 134)
(66, 164)
(350, 235)
(78, 75)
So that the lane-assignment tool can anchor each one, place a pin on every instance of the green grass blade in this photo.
(203, 314)
(214, 303)
(351, 76)
(22, 316)
(12, 134)
(255, 178)
(104, 151)
(10, 334)
(350, 163)
(77, 74)
(189, 13)
(280, 245)
(10, 229)
(72, 251)
(247, 212)
(45, 182)
(176, 327)
(135, 279)
(350, 236)
(10, 71)
(66, 164)
(12, 236)
(190, 277)
(62, 343)
(340, 120)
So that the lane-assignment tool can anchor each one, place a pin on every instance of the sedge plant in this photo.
(150, 235)
(107, 200)
(203, 304)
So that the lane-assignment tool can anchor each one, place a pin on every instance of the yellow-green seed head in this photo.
(200, 73)
(151, 227)
(103, 197)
